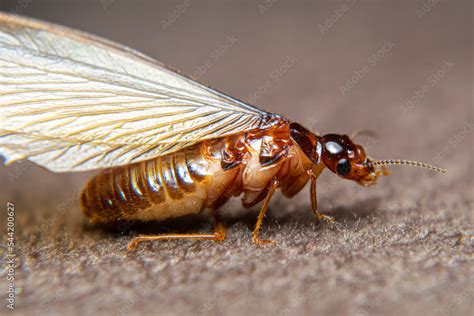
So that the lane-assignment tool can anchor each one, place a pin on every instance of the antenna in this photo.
(405, 162)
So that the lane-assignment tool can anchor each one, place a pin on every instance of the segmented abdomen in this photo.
(150, 190)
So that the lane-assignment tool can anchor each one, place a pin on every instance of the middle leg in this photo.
(256, 231)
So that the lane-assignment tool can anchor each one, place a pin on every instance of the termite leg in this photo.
(220, 230)
(314, 200)
(255, 234)
(218, 236)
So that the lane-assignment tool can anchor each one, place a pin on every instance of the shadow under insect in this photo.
(303, 218)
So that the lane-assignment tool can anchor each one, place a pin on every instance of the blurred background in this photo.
(401, 68)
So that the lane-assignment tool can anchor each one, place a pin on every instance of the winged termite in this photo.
(169, 145)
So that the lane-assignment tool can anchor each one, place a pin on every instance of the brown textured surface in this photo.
(401, 247)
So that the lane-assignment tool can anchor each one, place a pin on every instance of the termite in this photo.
(169, 146)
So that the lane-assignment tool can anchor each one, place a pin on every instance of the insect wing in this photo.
(70, 101)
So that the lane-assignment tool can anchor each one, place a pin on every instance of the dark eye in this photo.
(343, 167)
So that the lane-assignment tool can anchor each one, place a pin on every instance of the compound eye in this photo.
(343, 167)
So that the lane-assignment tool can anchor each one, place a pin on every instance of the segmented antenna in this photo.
(405, 162)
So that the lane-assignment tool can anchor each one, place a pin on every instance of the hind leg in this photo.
(219, 235)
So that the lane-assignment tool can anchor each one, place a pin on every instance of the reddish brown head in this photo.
(345, 158)
(348, 160)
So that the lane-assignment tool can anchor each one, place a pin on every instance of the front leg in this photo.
(314, 199)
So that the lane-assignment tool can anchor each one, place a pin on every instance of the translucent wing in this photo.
(71, 102)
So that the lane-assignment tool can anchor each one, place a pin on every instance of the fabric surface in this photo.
(402, 247)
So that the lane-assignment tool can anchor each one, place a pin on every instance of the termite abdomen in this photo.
(153, 189)
(116, 193)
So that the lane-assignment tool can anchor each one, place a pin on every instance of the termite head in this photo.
(345, 158)
(348, 160)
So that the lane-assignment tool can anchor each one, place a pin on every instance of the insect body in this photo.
(202, 176)
(168, 145)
